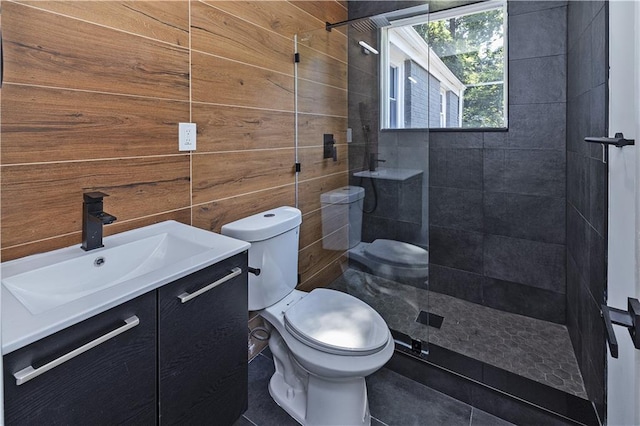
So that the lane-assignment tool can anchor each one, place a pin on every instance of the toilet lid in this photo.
(398, 253)
(337, 323)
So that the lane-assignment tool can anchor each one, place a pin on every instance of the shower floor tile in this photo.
(532, 348)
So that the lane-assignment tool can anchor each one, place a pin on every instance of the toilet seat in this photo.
(398, 253)
(336, 323)
(317, 361)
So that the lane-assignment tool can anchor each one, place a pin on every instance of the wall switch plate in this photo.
(349, 135)
(187, 136)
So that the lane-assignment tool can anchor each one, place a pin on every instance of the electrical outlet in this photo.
(187, 136)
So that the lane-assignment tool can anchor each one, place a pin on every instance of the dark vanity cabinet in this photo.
(176, 355)
(111, 383)
(202, 346)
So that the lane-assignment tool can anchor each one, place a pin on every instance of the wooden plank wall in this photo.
(93, 92)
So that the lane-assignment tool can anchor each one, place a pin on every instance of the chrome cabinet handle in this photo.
(29, 372)
(185, 297)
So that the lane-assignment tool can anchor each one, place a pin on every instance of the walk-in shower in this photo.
(383, 217)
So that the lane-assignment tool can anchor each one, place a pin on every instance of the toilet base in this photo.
(313, 400)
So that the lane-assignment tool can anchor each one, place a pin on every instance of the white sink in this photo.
(59, 283)
(63, 286)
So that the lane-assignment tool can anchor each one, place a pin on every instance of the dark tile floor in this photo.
(535, 349)
(393, 400)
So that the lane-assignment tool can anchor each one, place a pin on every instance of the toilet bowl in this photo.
(342, 211)
(325, 342)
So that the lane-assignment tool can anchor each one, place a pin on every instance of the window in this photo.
(455, 65)
(393, 96)
(443, 108)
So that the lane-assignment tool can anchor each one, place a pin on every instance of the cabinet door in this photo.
(202, 346)
(113, 382)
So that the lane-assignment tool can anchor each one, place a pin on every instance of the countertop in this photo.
(21, 327)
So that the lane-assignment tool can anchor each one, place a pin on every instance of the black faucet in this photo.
(373, 161)
(92, 220)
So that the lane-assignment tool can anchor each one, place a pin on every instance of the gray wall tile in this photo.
(577, 180)
(456, 208)
(533, 263)
(525, 216)
(410, 200)
(598, 113)
(454, 140)
(533, 172)
(537, 80)
(578, 240)
(524, 300)
(456, 283)
(456, 168)
(456, 249)
(539, 33)
(518, 7)
(580, 62)
(535, 126)
(597, 203)
(497, 139)
(599, 73)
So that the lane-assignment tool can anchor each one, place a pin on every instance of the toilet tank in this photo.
(274, 236)
(342, 217)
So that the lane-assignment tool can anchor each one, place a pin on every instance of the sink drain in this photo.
(99, 261)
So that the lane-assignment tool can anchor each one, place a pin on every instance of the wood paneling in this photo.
(332, 43)
(14, 252)
(314, 166)
(325, 276)
(279, 16)
(213, 215)
(41, 124)
(327, 11)
(219, 33)
(94, 92)
(315, 66)
(323, 223)
(221, 81)
(314, 258)
(44, 200)
(312, 127)
(224, 128)
(310, 190)
(318, 98)
(227, 174)
(288, 20)
(161, 20)
(330, 223)
(47, 49)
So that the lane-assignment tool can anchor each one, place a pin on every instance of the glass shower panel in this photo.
(373, 210)
(322, 153)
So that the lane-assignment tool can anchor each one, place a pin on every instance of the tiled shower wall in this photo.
(497, 199)
(587, 76)
(496, 202)
(93, 92)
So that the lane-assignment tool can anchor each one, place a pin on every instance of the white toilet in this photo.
(325, 342)
(342, 211)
